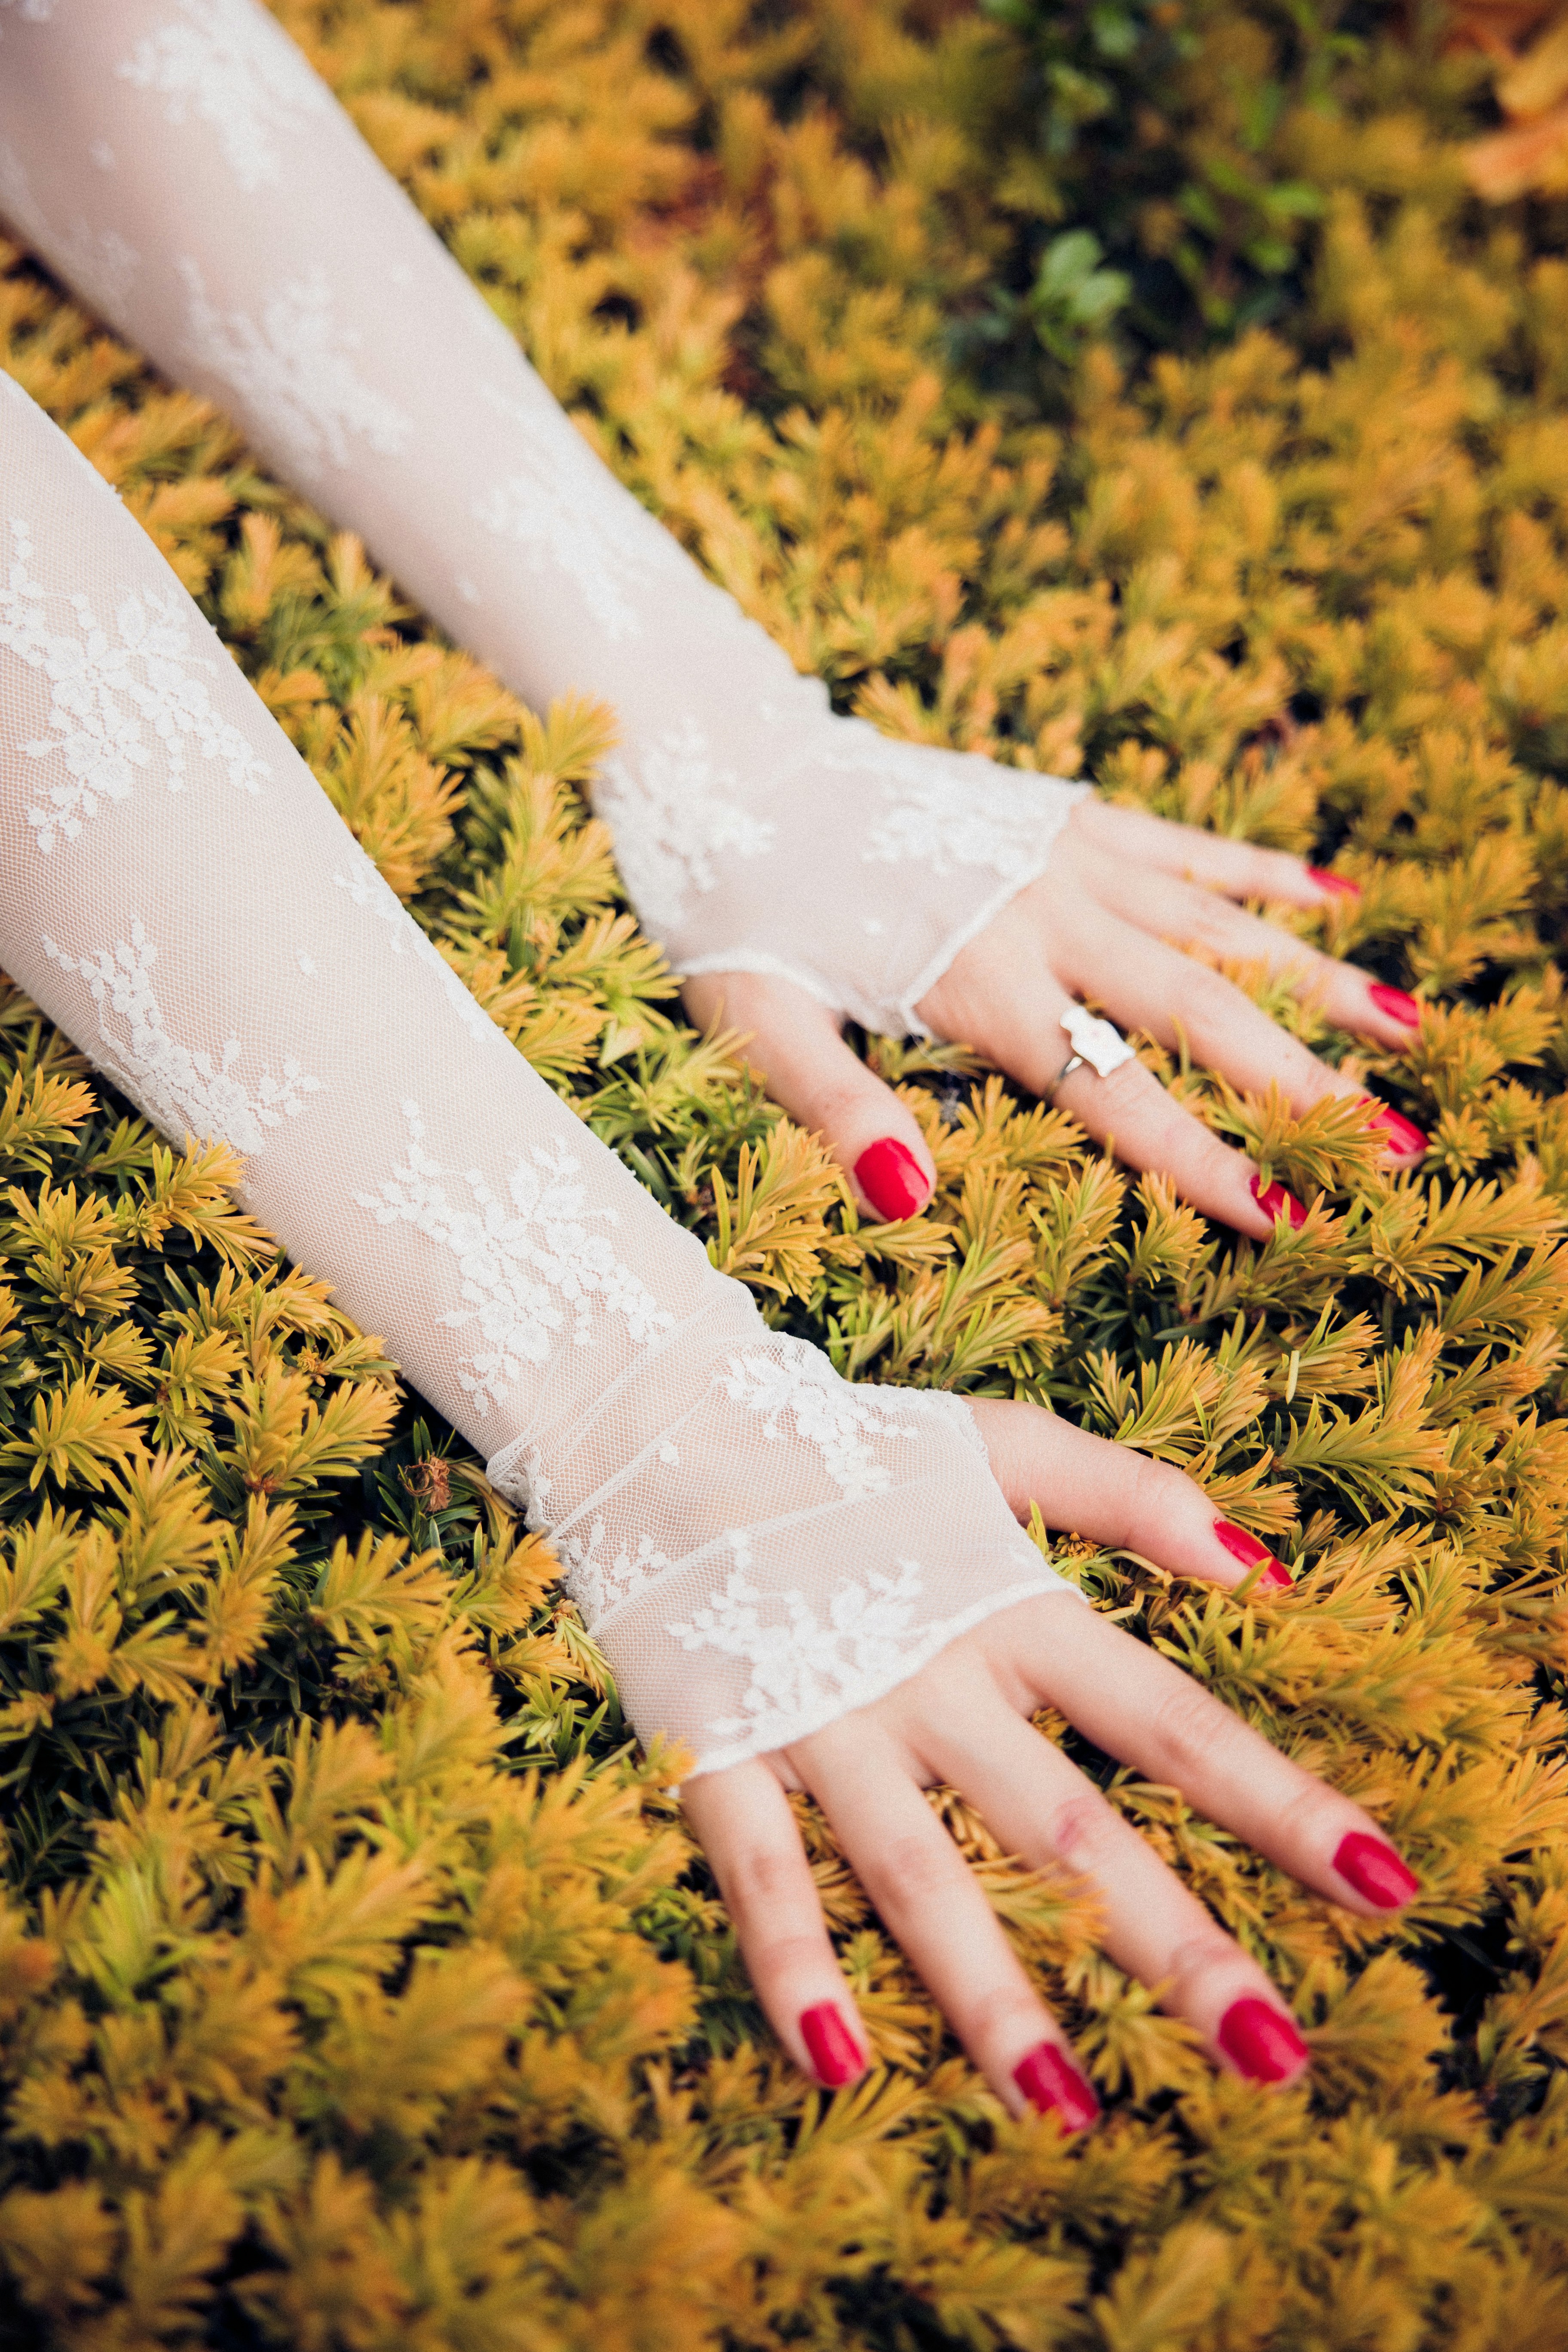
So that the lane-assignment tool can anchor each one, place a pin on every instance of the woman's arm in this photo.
(188, 175)
(181, 897)
(181, 167)
(770, 1559)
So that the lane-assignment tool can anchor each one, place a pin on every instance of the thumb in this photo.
(797, 1045)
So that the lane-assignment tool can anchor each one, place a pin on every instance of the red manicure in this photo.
(892, 1179)
(831, 2046)
(1376, 1871)
(1396, 1004)
(1277, 1201)
(1340, 882)
(1261, 2042)
(1053, 2085)
(1406, 1137)
(1249, 1551)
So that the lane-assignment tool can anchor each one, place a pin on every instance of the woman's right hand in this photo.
(965, 1720)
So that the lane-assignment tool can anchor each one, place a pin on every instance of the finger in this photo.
(1008, 1004)
(928, 1898)
(797, 1045)
(1142, 1709)
(1239, 868)
(1147, 985)
(1042, 1808)
(743, 1822)
(1117, 1497)
(1182, 914)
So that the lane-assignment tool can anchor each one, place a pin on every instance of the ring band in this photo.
(1075, 1061)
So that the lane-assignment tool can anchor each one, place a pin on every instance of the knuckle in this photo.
(773, 1957)
(908, 1873)
(1084, 1829)
(843, 1096)
(1300, 1072)
(1266, 872)
(760, 1881)
(1131, 1499)
(1188, 1729)
(1133, 1105)
(1313, 1816)
(1195, 1962)
(1149, 1479)
(1002, 2013)
(1157, 1493)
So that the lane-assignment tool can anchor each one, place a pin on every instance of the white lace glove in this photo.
(757, 1546)
(181, 166)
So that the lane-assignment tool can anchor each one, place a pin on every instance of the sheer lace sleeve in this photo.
(757, 1546)
(181, 167)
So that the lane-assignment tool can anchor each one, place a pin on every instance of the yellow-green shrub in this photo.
(358, 1987)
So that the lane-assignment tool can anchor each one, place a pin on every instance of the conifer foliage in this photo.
(359, 1986)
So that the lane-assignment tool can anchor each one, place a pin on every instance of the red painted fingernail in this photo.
(1396, 1004)
(1403, 1134)
(1340, 882)
(1376, 1871)
(892, 1179)
(1053, 2085)
(1276, 1200)
(830, 2045)
(1261, 2042)
(1249, 1551)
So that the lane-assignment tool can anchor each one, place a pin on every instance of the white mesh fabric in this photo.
(181, 166)
(758, 1546)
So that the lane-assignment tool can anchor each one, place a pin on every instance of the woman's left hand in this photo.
(965, 1720)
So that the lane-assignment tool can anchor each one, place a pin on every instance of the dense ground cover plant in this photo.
(358, 1986)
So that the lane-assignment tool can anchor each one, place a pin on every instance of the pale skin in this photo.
(1121, 887)
(965, 1720)
(1122, 894)
(1107, 920)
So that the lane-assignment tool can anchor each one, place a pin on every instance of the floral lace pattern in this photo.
(182, 1088)
(805, 1666)
(292, 378)
(531, 1268)
(231, 68)
(794, 1390)
(759, 1545)
(598, 1583)
(124, 698)
(672, 819)
(943, 820)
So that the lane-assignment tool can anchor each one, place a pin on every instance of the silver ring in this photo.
(1074, 1062)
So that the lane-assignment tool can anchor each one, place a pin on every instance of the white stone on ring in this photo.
(1096, 1042)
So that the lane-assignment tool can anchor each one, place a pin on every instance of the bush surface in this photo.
(359, 1986)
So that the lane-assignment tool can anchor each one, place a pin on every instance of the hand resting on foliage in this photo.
(1117, 896)
(799, 867)
(803, 1581)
